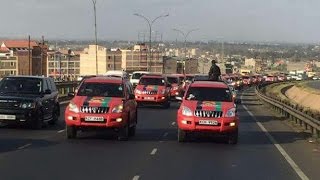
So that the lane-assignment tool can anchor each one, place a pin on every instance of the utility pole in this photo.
(95, 32)
(150, 23)
(29, 52)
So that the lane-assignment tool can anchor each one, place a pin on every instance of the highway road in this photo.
(314, 84)
(268, 149)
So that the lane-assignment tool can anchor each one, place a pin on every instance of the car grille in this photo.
(150, 92)
(9, 104)
(94, 110)
(208, 114)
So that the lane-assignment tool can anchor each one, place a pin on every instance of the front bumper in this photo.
(109, 120)
(17, 116)
(191, 124)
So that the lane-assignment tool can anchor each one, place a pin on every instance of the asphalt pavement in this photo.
(154, 152)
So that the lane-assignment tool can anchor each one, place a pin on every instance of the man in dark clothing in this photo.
(214, 73)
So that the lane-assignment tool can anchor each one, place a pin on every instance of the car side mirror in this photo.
(47, 91)
(179, 98)
(131, 96)
(71, 94)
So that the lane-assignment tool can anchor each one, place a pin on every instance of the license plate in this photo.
(208, 122)
(7, 117)
(94, 119)
(149, 98)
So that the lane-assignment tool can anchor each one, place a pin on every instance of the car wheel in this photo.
(37, 123)
(233, 137)
(124, 133)
(71, 132)
(182, 135)
(55, 116)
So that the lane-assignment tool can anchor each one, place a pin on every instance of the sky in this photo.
(224, 20)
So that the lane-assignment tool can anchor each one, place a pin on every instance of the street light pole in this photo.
(150, 23)
(95, 33)
(185, 35)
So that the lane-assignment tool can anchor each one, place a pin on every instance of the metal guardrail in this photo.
(64, 88)
(290, 111)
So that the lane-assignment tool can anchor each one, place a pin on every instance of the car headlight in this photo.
(73, 107)
(117, 109)
(28, 105)
(231, 112)
(186, 111)
(175, 88)
(138, 91)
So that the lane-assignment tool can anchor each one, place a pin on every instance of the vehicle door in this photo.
(45, 99)
(130, 102)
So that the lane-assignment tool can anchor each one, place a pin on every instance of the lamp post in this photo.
(150, 23)
(95, 32)
(185, 36)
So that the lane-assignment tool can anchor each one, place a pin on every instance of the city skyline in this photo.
(248, 20)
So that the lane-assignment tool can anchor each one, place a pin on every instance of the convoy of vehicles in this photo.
(110, 101)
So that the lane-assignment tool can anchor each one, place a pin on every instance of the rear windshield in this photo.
(172, 80)
(209, 94)
(152, 81)
(101, 89)
(137, 75)
(201, 78)
(21, 85)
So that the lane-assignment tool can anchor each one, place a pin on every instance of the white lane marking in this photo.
(294, 166)
(24, 146)
(64, 102)
(173, 123)
(165, 134)
(136, 178)
(61, 131)
(154, 151)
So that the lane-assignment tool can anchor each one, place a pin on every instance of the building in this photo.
(63, 64)
(138, 59)
(8, 62)
(107, 60)
(254, 64)
(204, 65)
(29, 56)
(191, 66)
(169, 65)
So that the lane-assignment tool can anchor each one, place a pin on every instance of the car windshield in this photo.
(101, 89)
(209, 94)
(172, 80)
(137, 75)
(152, 81)
(21, 85)
(189, 78)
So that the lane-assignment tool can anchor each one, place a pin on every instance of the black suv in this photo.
(30, 100)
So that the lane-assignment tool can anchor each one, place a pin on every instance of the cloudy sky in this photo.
(240, 20)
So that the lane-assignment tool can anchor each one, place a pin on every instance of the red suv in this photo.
(153, 89)
(176, 85)
(208, 107)
(105, 103)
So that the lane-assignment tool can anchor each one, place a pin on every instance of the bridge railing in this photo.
(292, 112)
(64, 88)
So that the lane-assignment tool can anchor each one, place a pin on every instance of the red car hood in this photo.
(150, 88)
(97, 101)
(208, 105)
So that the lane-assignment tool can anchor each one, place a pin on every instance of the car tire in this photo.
(182, 135)
(55, 116)
(123, 134)
(37, 123)
(71, 132)
(233, 137)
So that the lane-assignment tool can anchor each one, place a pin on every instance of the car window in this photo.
(137, 75)
(53, 85)
(209, 94)
(21, 85)
(173, 80)
(152, 81)
(45, 85)
(101, 89)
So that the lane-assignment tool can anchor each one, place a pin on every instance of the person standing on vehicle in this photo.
(214, 73)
